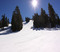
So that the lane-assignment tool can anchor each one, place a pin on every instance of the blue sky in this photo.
(26, 9)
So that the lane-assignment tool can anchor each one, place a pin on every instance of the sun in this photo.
(34, 3)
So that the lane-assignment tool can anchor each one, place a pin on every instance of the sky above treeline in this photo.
(26, 9)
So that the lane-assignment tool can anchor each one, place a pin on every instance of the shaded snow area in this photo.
(30, 40)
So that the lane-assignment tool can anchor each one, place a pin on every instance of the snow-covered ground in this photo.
(29, 40)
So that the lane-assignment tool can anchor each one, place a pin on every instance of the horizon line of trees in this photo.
(44, 20)
(40, 21)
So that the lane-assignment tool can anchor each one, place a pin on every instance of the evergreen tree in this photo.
(43, 18)
(36, 21)
(0, 24)
(52, 15)
(40, 21)
(16, 20)
(57, 19)
(3, 21)
(27, 19)
(6, 22)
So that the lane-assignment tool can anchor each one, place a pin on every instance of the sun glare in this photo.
(34, 3)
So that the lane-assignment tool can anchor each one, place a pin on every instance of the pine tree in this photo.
(16, 20)
(6, 21)
(27, 19)
(43, 18)
(52, 15)
(3, 21)
(57, 19)
(40, 21)
(36, 21)
(0, 24)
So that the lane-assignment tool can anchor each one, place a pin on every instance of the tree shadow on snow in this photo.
(6, 31)
(52, 29)
(49, 29)
(37, 28)
(25, 23)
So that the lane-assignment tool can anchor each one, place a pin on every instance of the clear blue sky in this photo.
(8, 6)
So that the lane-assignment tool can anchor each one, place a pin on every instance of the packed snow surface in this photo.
(30, 40)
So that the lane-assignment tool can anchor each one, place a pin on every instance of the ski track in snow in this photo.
(29, 40)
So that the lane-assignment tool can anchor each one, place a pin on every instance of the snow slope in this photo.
(29, 40)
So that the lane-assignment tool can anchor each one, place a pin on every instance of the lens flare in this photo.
(34, 3)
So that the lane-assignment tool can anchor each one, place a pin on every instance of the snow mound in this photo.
(29, 40)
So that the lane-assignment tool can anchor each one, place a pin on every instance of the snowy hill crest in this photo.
(29, 40)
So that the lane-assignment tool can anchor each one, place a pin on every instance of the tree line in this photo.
(46, 21)
(16, 21)
(39, 21)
